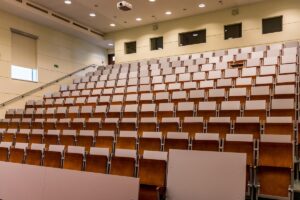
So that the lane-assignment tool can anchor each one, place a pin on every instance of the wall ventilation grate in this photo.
(60, 17)
(80, 26)
(97, 33)
(37, 8)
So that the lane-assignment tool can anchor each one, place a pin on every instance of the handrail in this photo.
(44, 86)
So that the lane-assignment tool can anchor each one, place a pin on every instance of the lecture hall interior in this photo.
(149, 100)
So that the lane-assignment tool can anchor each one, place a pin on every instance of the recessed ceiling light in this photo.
(201, 5)
(112, 25)
(168, 13)
(138, 19)
(92, 14)
(152, 0)
(111, 44)
(68, 2)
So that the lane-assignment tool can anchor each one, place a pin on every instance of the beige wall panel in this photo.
(5, 37)
(46, 76)
(5, 55)
(4, 68)
(53, 47)
(16, 86)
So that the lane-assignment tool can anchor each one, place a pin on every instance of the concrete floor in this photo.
(297, 190)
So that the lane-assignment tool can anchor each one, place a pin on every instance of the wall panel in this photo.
(250, 15)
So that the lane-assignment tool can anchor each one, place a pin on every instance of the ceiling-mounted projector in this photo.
(124, 5)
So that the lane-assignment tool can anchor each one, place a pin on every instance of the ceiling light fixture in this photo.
(112, 25)
(152, 0)
(168, 13)
(201, 5)
(110, 44)
(92, 14)
(138, 19)
(68, 2)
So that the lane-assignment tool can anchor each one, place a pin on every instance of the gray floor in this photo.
(297, 190)
(297, 186)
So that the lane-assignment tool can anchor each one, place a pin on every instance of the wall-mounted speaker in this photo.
(235, 11)
(155, 27)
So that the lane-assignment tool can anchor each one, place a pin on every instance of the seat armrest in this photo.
(162, 190)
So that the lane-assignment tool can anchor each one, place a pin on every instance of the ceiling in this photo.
(26, 10)
(92, 29)
(151, 12)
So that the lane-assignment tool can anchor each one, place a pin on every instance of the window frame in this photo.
(125, 46)
(264, 20)
(204, 31)
(16, 76)
(240, 24)
(156, 38)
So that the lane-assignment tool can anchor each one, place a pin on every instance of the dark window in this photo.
(130, 47)
(157, 43)
(111, 59)
(271, 25)
(233, 31)
(194, 37)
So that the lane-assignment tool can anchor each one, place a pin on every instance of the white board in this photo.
(28, 182)
(195, 175)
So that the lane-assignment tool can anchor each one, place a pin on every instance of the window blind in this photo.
(24, 50)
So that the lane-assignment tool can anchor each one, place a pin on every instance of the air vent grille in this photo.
(60, 17)
(37, 8)
(97, 33)
(56, 17)
(80, 26)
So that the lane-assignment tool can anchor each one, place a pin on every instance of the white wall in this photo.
(53, 47)
(206, 175)
(31, 182)
(250, 16)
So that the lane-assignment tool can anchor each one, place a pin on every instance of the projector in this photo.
(124, 5)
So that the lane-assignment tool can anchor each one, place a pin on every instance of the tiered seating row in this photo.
(236, 100)
(126, 162)
(123, 162)
(177, 86)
